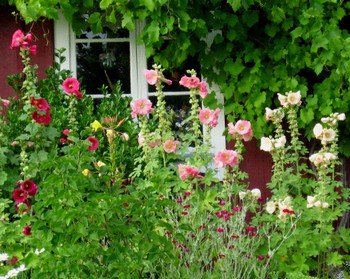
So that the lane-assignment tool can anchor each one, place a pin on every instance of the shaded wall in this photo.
(10, 61)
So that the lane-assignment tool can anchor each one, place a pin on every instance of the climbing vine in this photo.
(251, 49)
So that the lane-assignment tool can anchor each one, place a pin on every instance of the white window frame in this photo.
(64, 37)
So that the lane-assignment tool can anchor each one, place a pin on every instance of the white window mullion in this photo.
(62, 37)
(141, 62)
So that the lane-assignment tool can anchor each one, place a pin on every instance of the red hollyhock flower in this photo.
(70, 85)
(29, 186)
(40, 118)
(12, 261)
(40, 104)
(94, 143)
(27, 230)
(19, 195)
(220, 230)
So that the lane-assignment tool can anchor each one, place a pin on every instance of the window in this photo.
(114, 55)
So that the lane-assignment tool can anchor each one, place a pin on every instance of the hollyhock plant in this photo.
(188, 172)
(19, 195)
(242, 129)
(226, 158)
(94, 143)
(141, 107)
(29, 186)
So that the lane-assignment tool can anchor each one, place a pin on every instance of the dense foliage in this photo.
(86, 191)
(250, 48)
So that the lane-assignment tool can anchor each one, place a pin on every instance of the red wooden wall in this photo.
(10, 59)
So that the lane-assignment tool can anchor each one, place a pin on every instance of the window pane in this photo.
(179, 109)
(98, 62)
(107, 33)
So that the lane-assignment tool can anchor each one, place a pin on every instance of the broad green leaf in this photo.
(104, 4)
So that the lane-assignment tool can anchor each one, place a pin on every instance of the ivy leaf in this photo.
(234, 68)
(235, 4)
(3, 177)
(104, 4)
(149, 4)
(296, 32)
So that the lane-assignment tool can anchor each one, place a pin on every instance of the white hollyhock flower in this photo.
(280, 142)
(310, 201)
(316, 159)
(329, 156)
(268, 114)
(283, 100)
(328, 135)
(341, 117)
(266, 144)
(270, 207)
(242, 195)
(325, 205)
(4, 257)
(256, 193)
(317, 130)
(294, 98)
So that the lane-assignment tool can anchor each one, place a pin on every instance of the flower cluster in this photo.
(274, 115)
(242, 130)
(312, 201)
(42, 114)
(71, 86)
(193, 82)
(209, 117)
(64, 139)
(188, 172)
(284, 206)
(322, 158)
(269, 144)
(290, 99)
(325, 135)
(226, 158)
(25, 189)
(250, 194)
(19, 39)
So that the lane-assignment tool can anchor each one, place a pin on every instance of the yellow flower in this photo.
(110, 135)
(86, 172)
(100, 164)
(96, 125)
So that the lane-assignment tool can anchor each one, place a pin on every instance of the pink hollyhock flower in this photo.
(70, 85)
(226, 158)
(33, 49)
(203, 89)
(190, 82)
(151, 76)
(141, 107)
(231, 129)
(209, 117)
(29, 186)
(27, 230)
(244, 128)
(66, 132)
(170, 146)
(42, 117)
(94, 143)
(187, 171)
(19, 196)
(220, 230)
(17, 39)
(40, 103)
(5, 103)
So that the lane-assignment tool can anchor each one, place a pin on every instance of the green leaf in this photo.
(235, 4)
(306, 115)
(296, 32)
(104, 4)
(234, 68)
(3, 177)
(334, 259)
(149, 4)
